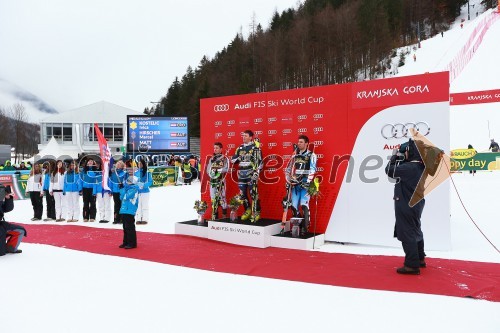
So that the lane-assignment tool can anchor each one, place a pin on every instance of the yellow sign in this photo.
(462, 154)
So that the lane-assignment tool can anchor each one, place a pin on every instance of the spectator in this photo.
(10, 234)
(8, 166)
(88, 177)
(494, 146)
(470, 147)
(72, 191)
(49, 200)
(34, 189)
(56, 189)
(117, 178)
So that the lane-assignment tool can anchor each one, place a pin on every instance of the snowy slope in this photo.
(56, 290)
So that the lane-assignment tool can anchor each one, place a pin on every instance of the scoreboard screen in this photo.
(157, 134)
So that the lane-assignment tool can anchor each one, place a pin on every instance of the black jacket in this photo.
(5, 207)
(407, 175)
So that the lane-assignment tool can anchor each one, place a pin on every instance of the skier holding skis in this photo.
(216, 169)
(300, 173)
(249, 157)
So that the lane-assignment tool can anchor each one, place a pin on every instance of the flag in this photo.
(105, 157)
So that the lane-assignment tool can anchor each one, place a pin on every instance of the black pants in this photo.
(51, 205)
(129, 234)
(414, 252)
(89, 209)
(118, 205)
(37, 203)
(187, 178)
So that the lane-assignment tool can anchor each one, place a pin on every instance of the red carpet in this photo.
(441, 277)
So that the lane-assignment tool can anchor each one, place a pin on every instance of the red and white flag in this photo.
(105, 157)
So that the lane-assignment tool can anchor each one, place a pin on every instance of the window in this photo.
(62, 132)
(111, 132)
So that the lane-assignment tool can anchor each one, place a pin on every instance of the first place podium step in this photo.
(262, 234)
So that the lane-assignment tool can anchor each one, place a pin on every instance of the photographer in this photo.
(407, 168)
(10, 234)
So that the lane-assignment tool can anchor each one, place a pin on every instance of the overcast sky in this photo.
(128, 52)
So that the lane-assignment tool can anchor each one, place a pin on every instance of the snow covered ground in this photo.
(48, 289)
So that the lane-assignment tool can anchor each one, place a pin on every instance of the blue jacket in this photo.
(116, 178)
(72, 182)
(144, 182)
(129, 196)
(46, 181)
(89, 178)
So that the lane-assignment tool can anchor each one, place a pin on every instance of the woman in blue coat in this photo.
(145, 180)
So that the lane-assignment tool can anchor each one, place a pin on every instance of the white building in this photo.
(74, 130)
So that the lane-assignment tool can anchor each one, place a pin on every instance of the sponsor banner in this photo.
(241, 234)
(469, 159)
(400, 91)
(475, 97)
(163, 176)
(17, 182)
(352, 128)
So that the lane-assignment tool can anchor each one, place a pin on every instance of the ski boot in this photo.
(255, 217)
(246, 215)
(224, 213)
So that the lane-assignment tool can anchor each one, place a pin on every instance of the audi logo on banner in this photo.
(272, 144)
(218, 123)
(286, 144)
(287, 157)
(318, 116)
(318, 143)
(317, 130)
(320, 155)
(400, 130)
(218, 135)
(257, 133)
(258, 120)
(302, 117)
(272, 119)
(231, 146)
(272, 132)
(286, 131)
(231, 122)
(320, 169)
(231, 134)
(221, 107)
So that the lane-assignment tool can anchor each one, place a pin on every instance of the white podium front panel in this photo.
(243, 234)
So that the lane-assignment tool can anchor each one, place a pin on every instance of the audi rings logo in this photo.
(318, 116)
(302, 117)
(287, 157)
(320, 155)
(257, 133)
(272, 144)
(231, 134)
(218, 123)
(318, 143)
(272, 132)
(231, 146)
(231, 122)
(258, 120)
(286, 144)
(218, 135)
(400, 130)
(320, 169)
(317, 129)
(302, 130)
(272, 119)
(286, 131)
(221, 107)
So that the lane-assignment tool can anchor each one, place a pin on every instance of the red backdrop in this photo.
(331, 116)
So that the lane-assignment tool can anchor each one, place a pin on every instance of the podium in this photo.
(264, 233)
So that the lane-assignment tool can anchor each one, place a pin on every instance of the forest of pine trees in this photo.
(320, 42)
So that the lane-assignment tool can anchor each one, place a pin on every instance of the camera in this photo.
(4, 190)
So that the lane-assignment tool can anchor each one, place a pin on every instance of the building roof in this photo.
(100, 112)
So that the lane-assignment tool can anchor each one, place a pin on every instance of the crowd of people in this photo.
(62, 184)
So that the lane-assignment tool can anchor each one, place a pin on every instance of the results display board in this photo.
(157, 134)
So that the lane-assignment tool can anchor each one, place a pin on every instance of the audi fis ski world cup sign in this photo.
(347, 125)
(157, 134)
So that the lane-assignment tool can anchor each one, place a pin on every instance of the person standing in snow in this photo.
(10, 234)
(129, 196)
(407, 168)
(494, 146)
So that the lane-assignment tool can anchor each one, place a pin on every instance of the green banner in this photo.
(469, 159)
(163, 176)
